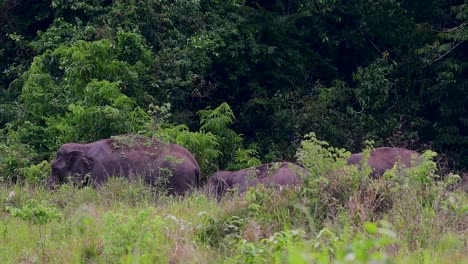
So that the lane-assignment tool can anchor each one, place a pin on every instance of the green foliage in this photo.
(366, 248)
(422, 179)
(18, 26)
(350, 71)
(257, 198)
(104, 111)
(216, 120)
(290, 246)
(329, 184)
(204, 146)
(272, 249)
(38, 173)
(343, 125)
(245, 158)
(85, 92)
(374, 88)
(443, 87)
(215, 146)
(38, 213)
(233, 155)
(214, 231)
(16, 156)
(318, 157)
(127, 235)
(332, 189)
(118, 190)
(125, 222)
(61, 32)
(388, 71)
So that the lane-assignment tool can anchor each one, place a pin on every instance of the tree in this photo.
(84, 92)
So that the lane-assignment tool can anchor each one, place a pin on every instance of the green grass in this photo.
(338, 215)
(128, 223)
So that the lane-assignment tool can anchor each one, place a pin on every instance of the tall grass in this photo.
(339, 215)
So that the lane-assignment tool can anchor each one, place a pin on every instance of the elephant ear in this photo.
(74, 156)
(78, 155)
(215, 186)
(221, 186)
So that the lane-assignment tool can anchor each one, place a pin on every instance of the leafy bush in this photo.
(329, 183)
(291, 246)
(273, 249)
(139, 234)
(215, 146)
(84, 92)
(204, 146)
(15, 157)
(37, 213)
(37, 173)
(232, 153)
(102, 112)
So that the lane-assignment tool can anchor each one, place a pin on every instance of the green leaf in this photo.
(370, 228)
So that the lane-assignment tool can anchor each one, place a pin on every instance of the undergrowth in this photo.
(338, 215)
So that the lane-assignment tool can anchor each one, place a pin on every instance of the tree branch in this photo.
(451, 29)
(383, 53)
(448, 51)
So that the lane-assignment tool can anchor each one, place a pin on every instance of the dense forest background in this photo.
(237, 82)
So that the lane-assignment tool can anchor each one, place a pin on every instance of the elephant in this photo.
(130, 156)
(270, 175)
(384, 158)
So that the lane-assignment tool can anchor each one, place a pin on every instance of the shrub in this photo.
(15, 156)
(329, 183)
(215, 146)
(140, 234)
(37, 213)
(37, 173)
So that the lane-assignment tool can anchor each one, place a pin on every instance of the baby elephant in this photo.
(384, 158)
(269, 174)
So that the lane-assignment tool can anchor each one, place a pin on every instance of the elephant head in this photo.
(217, 184)
(71, 163)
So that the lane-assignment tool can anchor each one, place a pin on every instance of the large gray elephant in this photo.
(384, 158)
(270, 174)
(129, 156)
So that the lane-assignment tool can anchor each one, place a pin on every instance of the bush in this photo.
(139, 234)
(329, 183)
(15, 156)
(37, 173)
(83, 92)
(215, 146)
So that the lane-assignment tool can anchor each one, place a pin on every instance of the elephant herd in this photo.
(138, 157)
